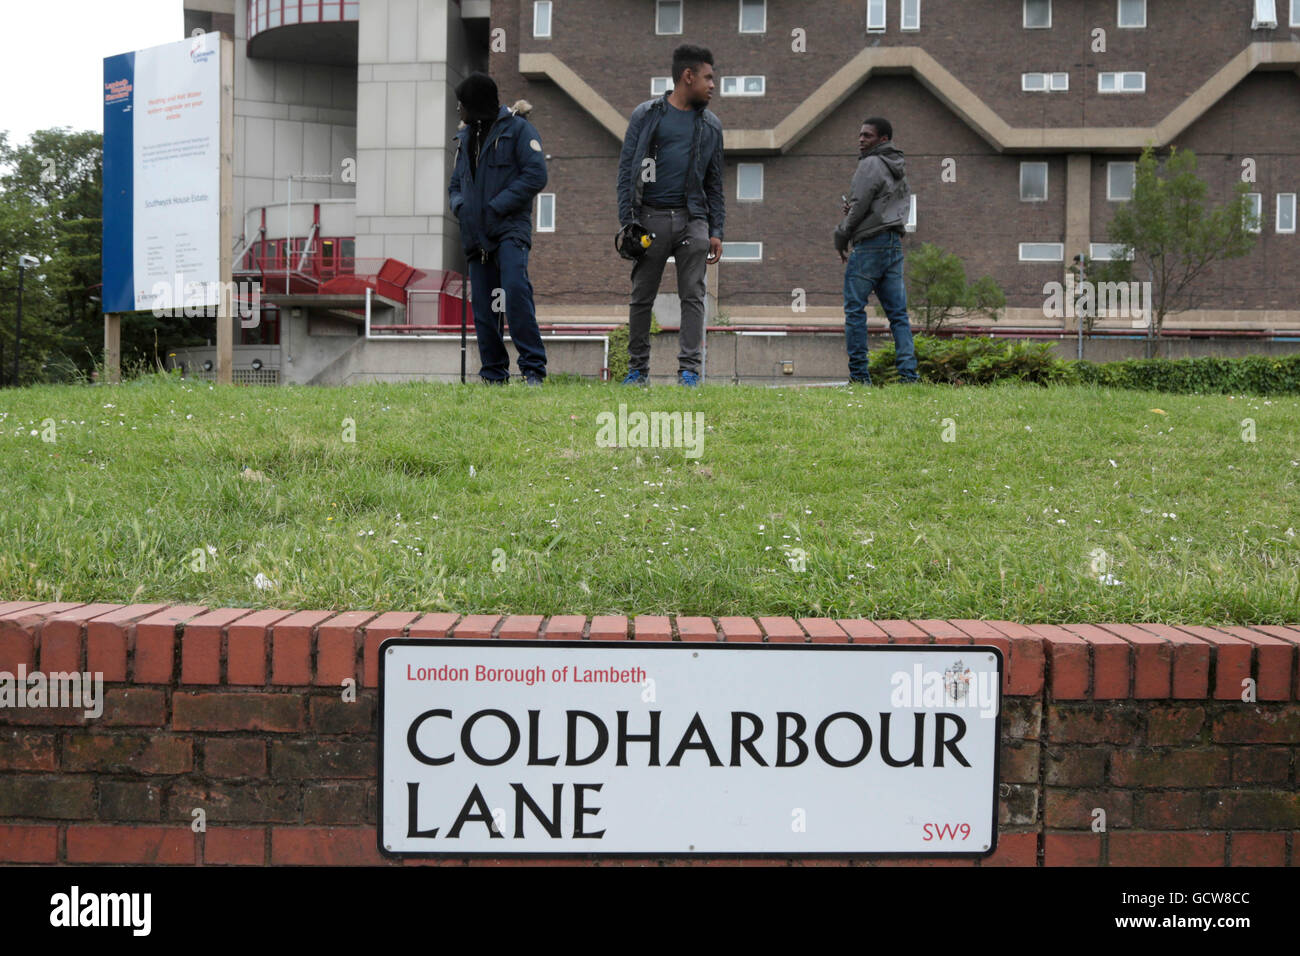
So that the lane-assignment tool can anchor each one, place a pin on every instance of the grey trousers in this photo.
(687, 241)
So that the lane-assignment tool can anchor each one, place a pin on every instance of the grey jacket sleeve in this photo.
(715, 193)
(626, 160)
(868, 179)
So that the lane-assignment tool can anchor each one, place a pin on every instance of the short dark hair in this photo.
(881, 125)
(689, 57)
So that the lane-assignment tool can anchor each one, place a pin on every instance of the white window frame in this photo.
(741, 21)
(1277, 221)
(1119, 16)
(1052, 83)
(902, 15)
(1257, 201)
(1264, 15)
(1110, 174)
(726, 257)
(910, 225)
(1106, 251)
(538, 7)
(739, 81)
(681, 18)
(1295, 13)
(1119, 76)
(759, 197)
(878, 7)
(1059, 257)
(540, 197)
(1043, 198)
(668, 85)
(1025, 16)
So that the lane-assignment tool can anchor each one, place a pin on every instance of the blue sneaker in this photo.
(689, 379)
(636, 377)
(533, 380)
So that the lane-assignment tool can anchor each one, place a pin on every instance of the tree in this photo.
(49, 208)
(937, 290)
(1171, 236)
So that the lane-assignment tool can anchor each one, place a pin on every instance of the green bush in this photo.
(1255, 374)
(981, 361)
(976, 361)
(618, 349)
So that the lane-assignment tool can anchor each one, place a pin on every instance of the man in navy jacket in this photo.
(499, 168)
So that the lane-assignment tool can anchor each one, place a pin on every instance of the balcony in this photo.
(308, 31)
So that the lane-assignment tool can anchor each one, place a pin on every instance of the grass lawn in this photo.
(1059, 504)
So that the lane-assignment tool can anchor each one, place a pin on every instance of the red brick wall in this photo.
(239, 712)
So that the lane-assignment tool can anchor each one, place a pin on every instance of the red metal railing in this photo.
(268, 14)
(327, 257)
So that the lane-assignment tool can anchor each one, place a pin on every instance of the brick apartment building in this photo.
(1021, 121)
(1038, 133)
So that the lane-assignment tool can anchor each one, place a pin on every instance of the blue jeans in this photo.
(877, 264)
(506, 269)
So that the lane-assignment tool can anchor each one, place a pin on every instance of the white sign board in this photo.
(162, 176)
(679, 749)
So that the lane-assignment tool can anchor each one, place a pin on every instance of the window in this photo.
(744, 85)
(1286, 212)
(546, 212)
(1042, 251)
(1033, 182)
(749, 182)
(668, 16)
(742, 252)
(909, 17)
(1120, 178)
(875, 16)
(1255, 211)
(1132, 13)
(1044, 82)
(753, 16)
(1038, 14)
(1121, 82)
(659, 85)
(1265, 15)
(542, 18)
(910, 225)
(1295, 13)
(1106, 251)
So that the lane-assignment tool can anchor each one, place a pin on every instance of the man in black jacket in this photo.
(499, 168)
(874, 224)
(670, 181)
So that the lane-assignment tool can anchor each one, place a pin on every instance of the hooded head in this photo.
(478, 98)
(875, 131)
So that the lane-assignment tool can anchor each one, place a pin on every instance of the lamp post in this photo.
(24, 263)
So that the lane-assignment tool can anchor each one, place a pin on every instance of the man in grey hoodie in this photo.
(874, 223)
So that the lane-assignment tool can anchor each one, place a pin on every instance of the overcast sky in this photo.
(52, 56)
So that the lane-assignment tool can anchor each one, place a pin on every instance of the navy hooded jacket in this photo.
(496, 203)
